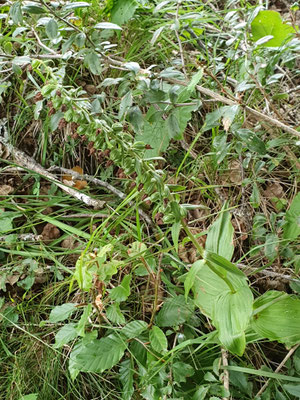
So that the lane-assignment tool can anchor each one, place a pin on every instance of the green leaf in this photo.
(54, 121)
(32, 396)
(291, 228)
(251, 140)
(134, 329)
(208, 286)
(135, 117)
(121, 292)
(99, 355)
(255, 196)
(224, 263)
(107, 25)
(16, 13)
(231, 315)
(181, 371)
(52, 29)
(84, 320)
(175, 230)
(271, 246)
(155, 133)
(294, 390)
(269, 23)
(33, 9)
(191, 276)
(277, 317)
(85, 270)
(78, 4)
(6, 220)
(92, 61)
(220, 236)
(123, 11)
(67, 333)
(60, 313)
(175, 311)
(173, 126)
(158, 340)
(126, 377)
(115, 315)
(126, 102)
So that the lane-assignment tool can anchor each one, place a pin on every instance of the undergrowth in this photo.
(148, 193)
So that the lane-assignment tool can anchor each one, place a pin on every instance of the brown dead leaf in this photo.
(49, 233)
(69, 243)
(274, 190)
(69, 180)
(12, 279)
(5, 190)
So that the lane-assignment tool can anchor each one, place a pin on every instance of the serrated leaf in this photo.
(107, 25)
(277, 317)
(67, 333)
(269, 23)
(123, 11)
(220, 236)
(121, 292)
(114, 314)
(231, 315)
(158, 340)
(291, 228)
(60, 313)
(126, 377)
(99, 355)
(175, 311)
(134, 329)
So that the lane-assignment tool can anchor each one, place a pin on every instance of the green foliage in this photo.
(268, 25)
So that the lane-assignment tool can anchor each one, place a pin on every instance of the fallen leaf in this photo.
(5, 190)
(50, 232)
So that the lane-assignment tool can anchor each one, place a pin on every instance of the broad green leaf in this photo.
(231, 315)
(84, 320)
(136, 248)
(181, 371)
(6, 220)
(155, 134)
(99, 355)
(93, 62)
(134, 329)
(201, 393)
(251, 140)
(175, 311)
(126, 373)
(33, 8)
(85, 270)
(31, 396)
(135, 117)
(54, 121)
(191, 276)
(158, 340)
(277, 317)
(294, 390)
(156, 34)
(107, 25)
(67, 333)
(125, 104)
(220, 236)
(74, 5)
(52, 29)
(16, 12)
(123, 11)
(269, 23)
(255, 196)
(291, 228)
(114, 314)
(173, 126)
(60, 313)
(224, 263)
(121, 292)
(208, 286)
(271, 246)
(194, 81)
